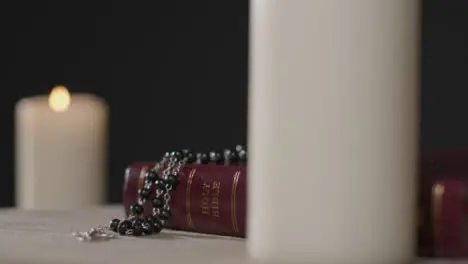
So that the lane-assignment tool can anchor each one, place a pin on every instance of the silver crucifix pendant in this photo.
(96, 234)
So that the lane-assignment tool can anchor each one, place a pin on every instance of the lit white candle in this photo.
(332, 131)
(61, 150)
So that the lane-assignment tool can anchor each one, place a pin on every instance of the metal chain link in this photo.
(174, 170)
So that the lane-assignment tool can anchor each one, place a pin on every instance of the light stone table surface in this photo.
(44, 237)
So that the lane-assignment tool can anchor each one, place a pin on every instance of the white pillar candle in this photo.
(332, 131)
(61, 151)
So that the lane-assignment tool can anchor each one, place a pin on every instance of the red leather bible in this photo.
(443, 204)
(209, 199)
(212, 199)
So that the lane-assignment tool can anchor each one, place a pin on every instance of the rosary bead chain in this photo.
(164, 177)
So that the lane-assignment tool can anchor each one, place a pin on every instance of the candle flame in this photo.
(59, 99)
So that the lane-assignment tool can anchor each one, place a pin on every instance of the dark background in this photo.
(184, 63)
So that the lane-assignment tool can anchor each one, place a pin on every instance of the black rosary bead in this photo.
(165, 214)
(138, 227)
(147, 227)
(242, 155)
(160, 184)
(151, 176)
(136, 209)
(233, 157)
(176, 155)
(203, 158)
(137, 221)
(191, 157)
(239, 148)
(124, 226)
(157, 202)
(157, 226)
(226, 153)
(215, 157)
(114, 224)
(144, 192)
(184, 152)
(150, 218)
(230, 156)
(172, 181)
